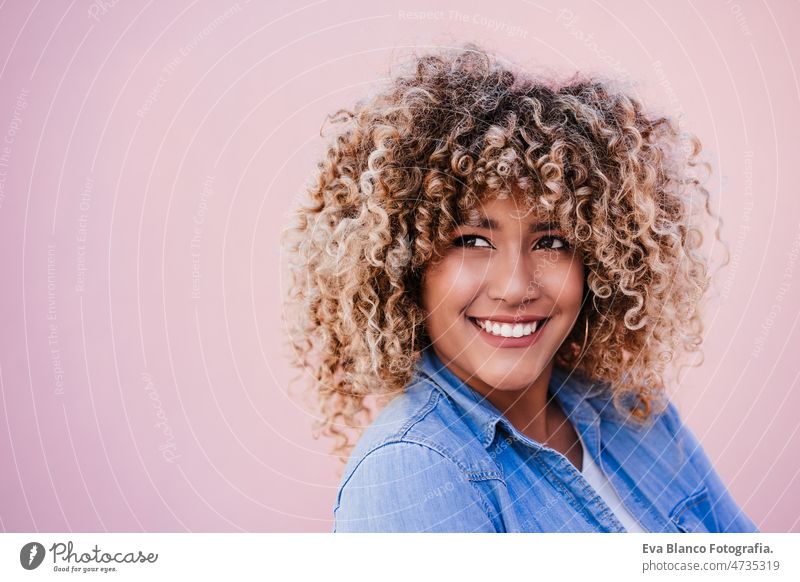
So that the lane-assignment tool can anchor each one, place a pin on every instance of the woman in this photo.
(510, 263)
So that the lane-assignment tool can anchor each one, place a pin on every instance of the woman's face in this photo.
(504, 298)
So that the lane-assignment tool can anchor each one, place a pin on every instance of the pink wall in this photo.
(145, 145)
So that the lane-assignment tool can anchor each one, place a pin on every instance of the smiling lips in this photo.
(508, 329)
(501, 331)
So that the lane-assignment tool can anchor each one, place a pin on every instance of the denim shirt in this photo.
(442, 458)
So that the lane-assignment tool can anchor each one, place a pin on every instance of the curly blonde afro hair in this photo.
(455, 128)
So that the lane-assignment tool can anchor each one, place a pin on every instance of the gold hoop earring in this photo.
(585, 339)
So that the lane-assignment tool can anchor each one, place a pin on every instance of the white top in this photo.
(600, 483)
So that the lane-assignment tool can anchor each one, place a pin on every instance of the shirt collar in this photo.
(482, 416)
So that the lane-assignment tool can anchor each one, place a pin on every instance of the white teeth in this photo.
(507, 329)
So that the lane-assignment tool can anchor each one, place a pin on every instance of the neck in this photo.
(531, 409)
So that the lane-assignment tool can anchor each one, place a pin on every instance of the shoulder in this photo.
(422, 415)
(664, 421)
(670, 467)
(709, 506)
(403, 486)
(659, 445)
(662, 433)
(416, 468)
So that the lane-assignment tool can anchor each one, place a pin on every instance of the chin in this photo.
(518, 378)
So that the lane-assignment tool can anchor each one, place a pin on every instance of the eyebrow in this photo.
(490, 224)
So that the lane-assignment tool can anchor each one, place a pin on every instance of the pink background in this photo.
(149, 154)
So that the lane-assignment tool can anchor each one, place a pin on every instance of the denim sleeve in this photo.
(409, 487)
(730, 516)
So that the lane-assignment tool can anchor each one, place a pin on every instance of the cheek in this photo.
(568, 284)
(449, 286)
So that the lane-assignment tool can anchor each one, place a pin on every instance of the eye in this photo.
(552, 242)
(471, 241)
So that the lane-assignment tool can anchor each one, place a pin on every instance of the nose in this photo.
(513, 278)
